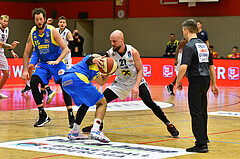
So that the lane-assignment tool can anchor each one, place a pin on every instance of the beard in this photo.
(116, 48)
(40, 28)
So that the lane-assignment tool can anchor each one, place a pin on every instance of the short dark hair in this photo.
(190, 25)
(62, 18)
(198, 21)
(39, 11)
(172, 34)
(235, 47)
(210, 46)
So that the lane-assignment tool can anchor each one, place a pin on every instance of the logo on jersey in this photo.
(126, 73)
(167, 71)
(47, 41)
(203, 52)
(61, 72)
(233, 73)
(146, 70)
(129, 54)
(47, 34)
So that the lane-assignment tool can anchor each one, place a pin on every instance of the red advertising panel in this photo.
(157, 71)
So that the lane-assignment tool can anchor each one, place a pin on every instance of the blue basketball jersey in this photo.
(91, 72)
(46, 47)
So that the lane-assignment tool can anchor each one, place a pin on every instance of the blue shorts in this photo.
(34, 58)
(81, 91)
(46, 71)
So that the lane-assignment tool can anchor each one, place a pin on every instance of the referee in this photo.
(198, 64)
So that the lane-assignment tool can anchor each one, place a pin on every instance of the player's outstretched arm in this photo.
(26, 53)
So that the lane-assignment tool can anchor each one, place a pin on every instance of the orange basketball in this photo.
(109, 66)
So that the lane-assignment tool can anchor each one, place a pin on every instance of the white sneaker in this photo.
(3, 96)
(98, 135)
(76, 135)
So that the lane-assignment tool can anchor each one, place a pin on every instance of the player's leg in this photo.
(3, 81)
(57, 72)
(38, 98)
(144, 94)
(68, 102)
(109, 96)
(99, 116)
(5, 71)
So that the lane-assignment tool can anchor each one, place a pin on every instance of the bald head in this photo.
(117, 40)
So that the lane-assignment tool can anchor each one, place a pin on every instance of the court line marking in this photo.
(49, 156)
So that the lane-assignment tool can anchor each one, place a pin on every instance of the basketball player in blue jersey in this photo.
(50, 49)
(31, 65)
(77, 83)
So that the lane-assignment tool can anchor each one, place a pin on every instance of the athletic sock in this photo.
(48, 88)
(42, 111)
(96, 124)
(28, 83)
(76, 127)
(70, 112)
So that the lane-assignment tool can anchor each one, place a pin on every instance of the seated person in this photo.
(213, 53)
(234, 54)
(171, 46)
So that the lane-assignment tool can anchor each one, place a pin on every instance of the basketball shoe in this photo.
(76, 135)
(3, 96)
(51, 94)
(87, 129)
(173, 131)
(43, 119)
(169, 88)
(198, 148)
(98, 135)
(26, 89)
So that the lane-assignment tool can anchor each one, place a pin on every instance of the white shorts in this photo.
(179, 63)
(123, 90)
(68, 61)
(3, 62)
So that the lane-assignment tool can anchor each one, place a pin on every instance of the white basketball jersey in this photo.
(126, 72)
(3, 37)
(64, 34)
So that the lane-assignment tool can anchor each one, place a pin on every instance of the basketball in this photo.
(109, 66)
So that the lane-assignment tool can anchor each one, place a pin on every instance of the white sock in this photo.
(28, 83)
(96, 124)
(76, 127)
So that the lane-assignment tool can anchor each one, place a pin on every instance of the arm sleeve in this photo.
(89, 60)
(187, 55)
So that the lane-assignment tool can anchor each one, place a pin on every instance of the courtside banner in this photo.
(157, 71)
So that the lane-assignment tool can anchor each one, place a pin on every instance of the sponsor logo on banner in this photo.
(95, 149)
(117, 106)
(167, 71)
(147, 70)
(233, 73)
(225, 113)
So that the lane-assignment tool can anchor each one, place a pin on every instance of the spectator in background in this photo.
(213, 53)
(171, 46)
(78, 44)
(202, 34)
(235, 54)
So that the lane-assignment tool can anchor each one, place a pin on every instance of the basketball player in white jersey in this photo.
(129, 79)
(67, 37)
(177, 63)
(4, 31)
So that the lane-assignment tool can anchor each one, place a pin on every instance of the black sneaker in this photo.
(169, 88)
(43, 119)
(87, 129)
(173, 131)
(26, 89)
(198, 148)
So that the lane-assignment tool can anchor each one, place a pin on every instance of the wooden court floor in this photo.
(138, 126)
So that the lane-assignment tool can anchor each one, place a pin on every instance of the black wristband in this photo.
(10, 49)
(89, 60)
